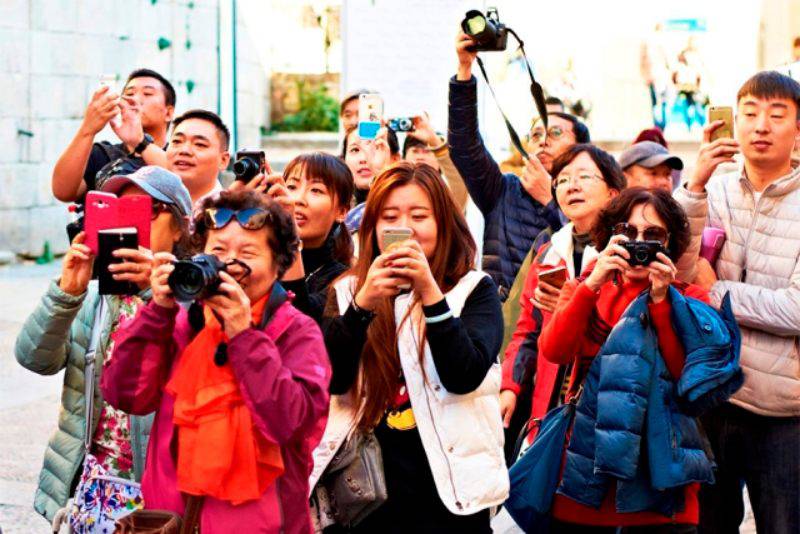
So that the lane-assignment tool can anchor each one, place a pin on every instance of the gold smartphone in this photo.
(721, 113)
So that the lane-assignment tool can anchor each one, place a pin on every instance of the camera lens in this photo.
(476, 24)
(196, 278)
(245, 168)
(642, 256)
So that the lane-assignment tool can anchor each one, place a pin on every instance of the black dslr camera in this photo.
(197, 278)
(489, 34)
(248, 164)
(642, 252)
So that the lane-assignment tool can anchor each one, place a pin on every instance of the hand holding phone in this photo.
(109, 241)
(556, 277)
(110, 81)
(391, 238)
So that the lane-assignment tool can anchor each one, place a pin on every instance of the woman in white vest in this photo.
(413, 339)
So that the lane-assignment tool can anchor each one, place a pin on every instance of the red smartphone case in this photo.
(106, 210)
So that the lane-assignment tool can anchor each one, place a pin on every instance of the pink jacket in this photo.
(283, 373)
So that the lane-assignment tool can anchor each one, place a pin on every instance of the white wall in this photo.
(405, 50)
(52, 53)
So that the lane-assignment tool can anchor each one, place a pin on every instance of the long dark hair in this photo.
(336, 175)
(619, 210)
(454, 256)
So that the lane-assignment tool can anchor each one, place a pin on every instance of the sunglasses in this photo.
(651, 233)
(554, 132)
(157, 209)
(249, 219)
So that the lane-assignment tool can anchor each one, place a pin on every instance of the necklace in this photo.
(308, 277)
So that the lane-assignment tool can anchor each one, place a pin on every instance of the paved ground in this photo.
(28, 403)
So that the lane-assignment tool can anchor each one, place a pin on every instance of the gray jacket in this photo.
(760, 266)
(55, 337)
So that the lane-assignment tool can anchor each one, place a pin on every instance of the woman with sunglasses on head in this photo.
(626, 330)
(586, 180)
(243, 386)
(413, 333)
(321, 187)
(57, 336)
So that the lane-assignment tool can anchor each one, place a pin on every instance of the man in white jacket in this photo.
(755, 437)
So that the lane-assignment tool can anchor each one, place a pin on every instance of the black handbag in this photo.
(354, 483)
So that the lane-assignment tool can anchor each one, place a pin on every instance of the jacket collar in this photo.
(780, 187)
(562, 245)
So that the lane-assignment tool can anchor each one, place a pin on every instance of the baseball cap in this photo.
(157, 182)
(648, 154)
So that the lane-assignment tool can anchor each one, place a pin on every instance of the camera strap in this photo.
(536, 92)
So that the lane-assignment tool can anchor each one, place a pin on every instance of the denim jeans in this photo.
(557, 527)
(762, 453)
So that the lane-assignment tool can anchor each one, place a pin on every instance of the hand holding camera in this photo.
(424, 131)
(612, 260)
(76, 269)
(465, 50)
(231, 305)
(163, 266)
(662, 274)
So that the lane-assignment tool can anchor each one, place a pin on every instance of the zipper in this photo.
(459, 504)
(743, 275)
(281, 529)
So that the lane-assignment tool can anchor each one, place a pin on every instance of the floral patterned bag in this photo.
(100, 499)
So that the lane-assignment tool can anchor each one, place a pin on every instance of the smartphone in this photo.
(391, 236)
(556, 277)
(108, 241)
(106, 210)
(370, 114)
(721, 113)
(110, 81)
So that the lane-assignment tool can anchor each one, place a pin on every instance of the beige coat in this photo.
(760, 266)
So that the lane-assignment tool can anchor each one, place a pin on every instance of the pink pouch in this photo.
(711, 244)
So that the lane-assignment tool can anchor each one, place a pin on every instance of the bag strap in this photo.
(191, 514)
(536, 92)
(99, 324)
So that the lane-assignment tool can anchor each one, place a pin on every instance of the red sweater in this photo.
(578, 328)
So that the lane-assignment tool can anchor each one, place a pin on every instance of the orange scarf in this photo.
(220, 451)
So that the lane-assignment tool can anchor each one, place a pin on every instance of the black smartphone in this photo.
(107, 242)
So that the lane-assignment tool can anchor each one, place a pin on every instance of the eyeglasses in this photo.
(249, 219)
(583, 178)
(651, 233)
(157, 209)
(553, 132)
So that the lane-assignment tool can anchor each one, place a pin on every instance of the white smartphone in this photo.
(110, 81)
(370, 114)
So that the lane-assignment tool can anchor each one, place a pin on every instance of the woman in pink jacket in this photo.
(239, 383)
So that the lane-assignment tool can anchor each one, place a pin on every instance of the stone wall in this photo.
(52, 53)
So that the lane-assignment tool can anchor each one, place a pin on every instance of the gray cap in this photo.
(157, 182)
(648, 154)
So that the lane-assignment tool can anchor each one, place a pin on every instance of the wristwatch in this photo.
(141, 147)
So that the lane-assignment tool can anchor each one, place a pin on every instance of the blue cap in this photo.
(157, 182)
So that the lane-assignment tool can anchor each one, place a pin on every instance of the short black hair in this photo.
(282, 237)
(169, 91)
(609, 168)
(579, 129)
(771, 84)
(412, 141)
(620, 208)
(391, 140)
(208, 116)
(554, 101)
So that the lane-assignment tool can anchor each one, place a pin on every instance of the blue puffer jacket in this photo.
(513, 217)
(634, 425)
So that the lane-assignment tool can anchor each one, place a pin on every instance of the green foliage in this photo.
(319, 112)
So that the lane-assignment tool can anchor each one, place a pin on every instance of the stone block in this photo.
(54, 15)
(57, 53)
(19, 185)
(14, 95)
(14, 50)
(47, 225)
(10, 141)
(14, 14)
